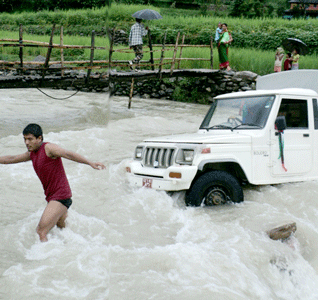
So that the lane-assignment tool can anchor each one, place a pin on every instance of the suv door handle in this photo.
(306, 135)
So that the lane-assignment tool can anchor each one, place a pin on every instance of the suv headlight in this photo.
(138, 152)
(185, 156)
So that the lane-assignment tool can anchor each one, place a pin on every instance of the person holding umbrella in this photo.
(295, 60)
(297, 47)
(137, 31)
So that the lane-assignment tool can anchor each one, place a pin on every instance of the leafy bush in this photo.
(184, 91)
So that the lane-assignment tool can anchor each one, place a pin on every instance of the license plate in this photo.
(147, 182)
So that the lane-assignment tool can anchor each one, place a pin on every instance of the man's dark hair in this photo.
(34, 129)
(138, 20)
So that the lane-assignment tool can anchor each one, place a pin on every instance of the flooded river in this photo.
(127, 243)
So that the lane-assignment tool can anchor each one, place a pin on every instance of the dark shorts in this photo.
(66, 202)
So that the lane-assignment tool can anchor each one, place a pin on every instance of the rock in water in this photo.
(282, 232)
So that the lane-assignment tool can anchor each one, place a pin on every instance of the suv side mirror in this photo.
(281, 123)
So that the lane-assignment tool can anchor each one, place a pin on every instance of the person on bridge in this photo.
(279, 55)
(137, 31)
(287, 62)
(223, 48)
(295, 60)
(218, 32)
(47, 163)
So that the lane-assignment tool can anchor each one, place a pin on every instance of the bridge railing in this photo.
(173, 61)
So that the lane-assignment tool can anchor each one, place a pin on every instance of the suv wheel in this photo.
(214, 188)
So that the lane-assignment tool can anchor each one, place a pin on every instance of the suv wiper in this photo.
(219, 126)
(246, 124)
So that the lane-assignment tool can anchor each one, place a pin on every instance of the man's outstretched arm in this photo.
(54, 151)
(14, 159)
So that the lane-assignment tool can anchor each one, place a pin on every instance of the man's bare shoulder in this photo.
(53, 150)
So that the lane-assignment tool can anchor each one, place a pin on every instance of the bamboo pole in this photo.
(211, 51)
(162, 55)
(185, 45)
(131, 92)
(91, 57)
(48, 55)
(174, 54)
(62, 49)
(21, 48)
(35, 45)
(181, 47)
(112, 37)
(57, 45)
(150, 47)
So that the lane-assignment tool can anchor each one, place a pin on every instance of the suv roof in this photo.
(287, 91)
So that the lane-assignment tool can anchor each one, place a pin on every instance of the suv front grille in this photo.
(159, 157)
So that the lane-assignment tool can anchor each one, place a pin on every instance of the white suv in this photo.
(267, 136)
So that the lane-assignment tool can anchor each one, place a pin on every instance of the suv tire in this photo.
(213, 188)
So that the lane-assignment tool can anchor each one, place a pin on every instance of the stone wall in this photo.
(184, 87)
(199, 88)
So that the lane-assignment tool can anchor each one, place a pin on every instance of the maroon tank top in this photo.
(52, 175)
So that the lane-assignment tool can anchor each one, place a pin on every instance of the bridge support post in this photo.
(91, 57)
(21, 47)
(181, 47)
(211, 51)
(151, 51)
(48, 55)
(162, 56)
(131, 92)
(174, 54)
(62, 51)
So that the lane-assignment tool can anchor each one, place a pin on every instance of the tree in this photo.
(251, 8)
(239, 8)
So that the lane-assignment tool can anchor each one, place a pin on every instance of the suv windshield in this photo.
(242, 113)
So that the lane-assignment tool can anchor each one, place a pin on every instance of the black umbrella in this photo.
(147, 14)
(292, 43)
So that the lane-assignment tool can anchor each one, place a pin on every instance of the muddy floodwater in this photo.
(127, 243)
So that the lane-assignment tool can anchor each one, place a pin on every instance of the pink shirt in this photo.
(52, 175)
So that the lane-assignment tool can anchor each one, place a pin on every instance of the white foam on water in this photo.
(74, 263)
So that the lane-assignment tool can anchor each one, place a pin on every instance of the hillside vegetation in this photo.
(265, 34)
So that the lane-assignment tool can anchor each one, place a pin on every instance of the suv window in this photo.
(295, 112)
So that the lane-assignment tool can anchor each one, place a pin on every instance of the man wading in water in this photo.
(47, 163)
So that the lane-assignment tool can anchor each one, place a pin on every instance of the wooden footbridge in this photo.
(46, 72)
